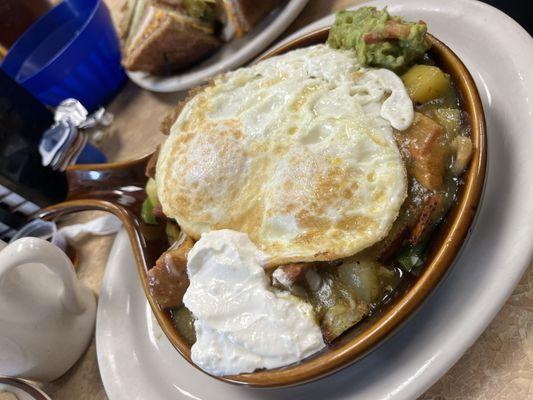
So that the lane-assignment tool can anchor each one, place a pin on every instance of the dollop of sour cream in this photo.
(242, 323)
(398, 107)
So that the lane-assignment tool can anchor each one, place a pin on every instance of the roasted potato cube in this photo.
(361, 279)
(173, 231)
(450, 120)
(151, 192)
(425, 83)
(341, 317)
(462, 147)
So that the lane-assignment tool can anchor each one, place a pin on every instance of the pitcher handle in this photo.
(34, 250)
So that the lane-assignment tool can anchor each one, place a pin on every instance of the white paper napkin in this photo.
(102, 226)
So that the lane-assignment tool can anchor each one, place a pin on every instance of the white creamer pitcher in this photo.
(46, 316)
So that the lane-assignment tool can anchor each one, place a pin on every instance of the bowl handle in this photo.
(121, 182)
(117, 188)
(129, 220)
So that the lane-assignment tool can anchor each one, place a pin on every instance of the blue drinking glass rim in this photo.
(33, 27)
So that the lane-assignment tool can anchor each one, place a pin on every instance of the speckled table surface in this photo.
(498, 366)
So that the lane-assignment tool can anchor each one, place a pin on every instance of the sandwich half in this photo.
(163, 36)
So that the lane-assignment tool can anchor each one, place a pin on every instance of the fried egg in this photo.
(297, 151)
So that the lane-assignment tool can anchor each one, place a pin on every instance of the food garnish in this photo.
(379, 39)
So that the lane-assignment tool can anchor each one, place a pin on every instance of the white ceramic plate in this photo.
(137, 361)
(231, 55)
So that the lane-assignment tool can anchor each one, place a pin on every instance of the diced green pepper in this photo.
(412, 258)
(184, 321)
(146, 212)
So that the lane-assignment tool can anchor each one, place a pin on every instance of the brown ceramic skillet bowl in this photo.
(119, 188)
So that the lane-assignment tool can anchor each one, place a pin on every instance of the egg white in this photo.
(297, 151)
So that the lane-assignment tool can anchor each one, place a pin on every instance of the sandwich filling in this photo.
(162, 35)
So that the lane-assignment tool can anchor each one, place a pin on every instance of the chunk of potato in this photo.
(425, 83)
(173, 232)
(151, 192)
(361, 279)
(334, 305)
(450, 120)
(462, 146)
(341, 317)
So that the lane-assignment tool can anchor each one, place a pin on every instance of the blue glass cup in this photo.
(71, 51)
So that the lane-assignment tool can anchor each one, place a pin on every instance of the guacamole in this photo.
(379, 39)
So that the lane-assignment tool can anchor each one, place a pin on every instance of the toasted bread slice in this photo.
(162, 40)
(244, 15)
